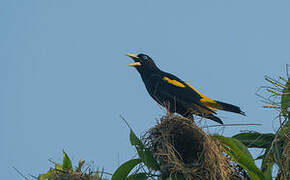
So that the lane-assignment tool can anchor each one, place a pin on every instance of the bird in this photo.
(176, 95)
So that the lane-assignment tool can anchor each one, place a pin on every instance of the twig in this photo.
(33, 176)
(273, 81)
(233, 125)
(103, 172)
(274, 107)
(269, 90)
(22, 175)
(125, 122)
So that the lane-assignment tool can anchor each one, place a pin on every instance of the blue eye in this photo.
(145, 58)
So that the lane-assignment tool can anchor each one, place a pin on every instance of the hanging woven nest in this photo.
(183, 150)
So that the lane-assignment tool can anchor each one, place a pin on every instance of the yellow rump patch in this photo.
(173, 82)
(205, 100)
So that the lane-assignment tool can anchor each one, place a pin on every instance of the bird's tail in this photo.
(214, 118)
(229, 107)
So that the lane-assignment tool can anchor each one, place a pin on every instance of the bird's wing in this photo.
(172, 87)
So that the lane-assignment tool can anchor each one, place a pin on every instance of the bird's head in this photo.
(143, 63)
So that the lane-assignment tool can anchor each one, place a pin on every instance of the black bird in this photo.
(175, 94)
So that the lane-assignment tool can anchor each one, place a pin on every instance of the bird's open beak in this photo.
(135, 64)
(133, 56)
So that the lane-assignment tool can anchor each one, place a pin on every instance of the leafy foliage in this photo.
(67, 165)
(145, 157)
(276, 145)
(241, 155)
(255, 139)
(144, 153)
(65, 171)
(123, 171)
(137, 176)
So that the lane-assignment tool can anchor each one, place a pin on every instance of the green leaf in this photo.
(144, 153)
(238, 144)
(233, 148)
(97, 175)
(255, 139)
(267, 159)
(58, 166)
(149, 160)
(277, 152)
(66, 164)
(135, 141)
(285, 100)
(243, 148)
(123, 171)
(260, 157)
(268, 172)
(138, 176)
(285, 129)
(47, 175)
(41, 177)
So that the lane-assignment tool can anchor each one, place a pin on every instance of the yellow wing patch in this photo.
(173, 82)
(210, 103)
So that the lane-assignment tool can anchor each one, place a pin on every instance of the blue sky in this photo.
(65, 80)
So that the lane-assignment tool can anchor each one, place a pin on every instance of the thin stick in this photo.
(274, 107)
(234, 125)
(22, 175)
(126, 122)
(274, 82)
(269, 90)
(103, 172)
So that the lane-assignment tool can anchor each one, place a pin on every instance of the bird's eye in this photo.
(145, 57)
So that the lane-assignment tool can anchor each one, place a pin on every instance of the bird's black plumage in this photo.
(177, 95)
